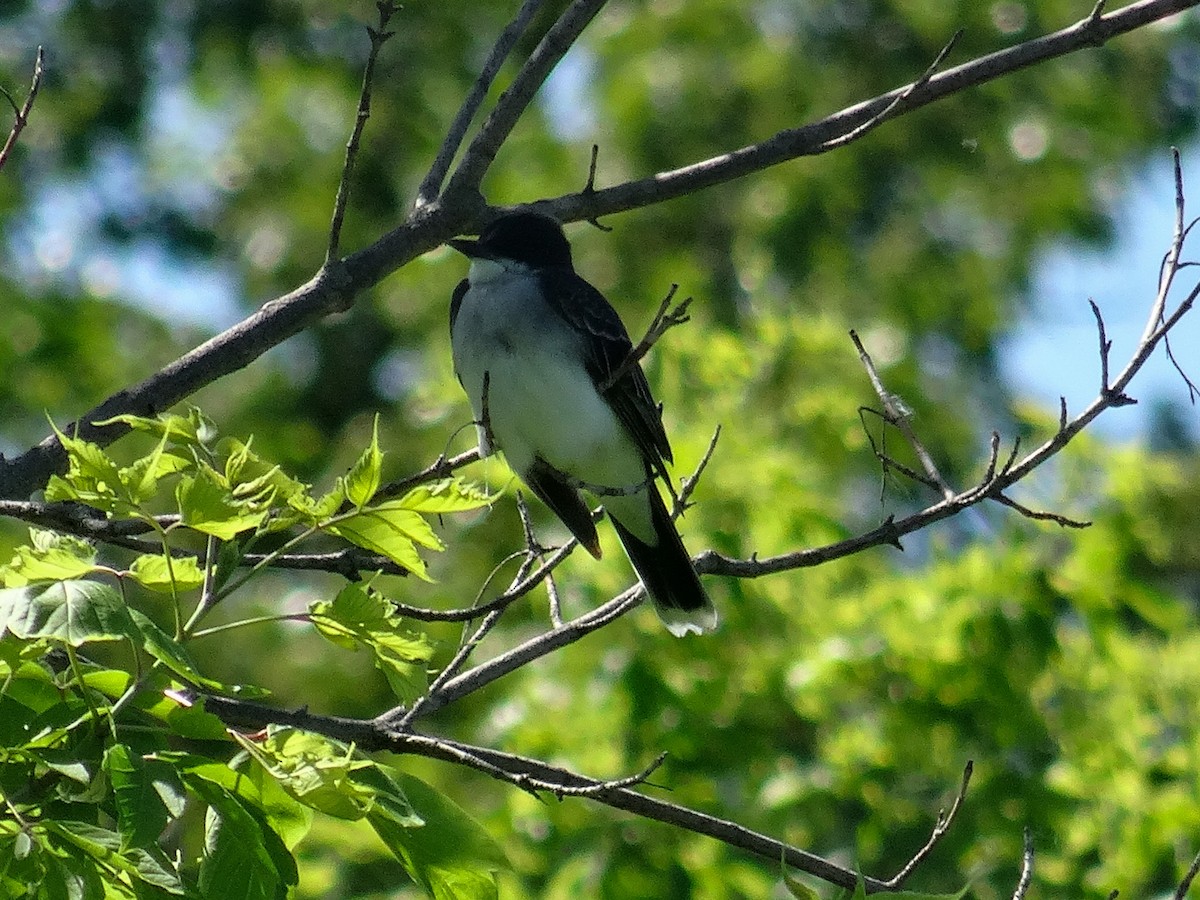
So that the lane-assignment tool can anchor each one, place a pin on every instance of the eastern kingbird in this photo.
(535, 347)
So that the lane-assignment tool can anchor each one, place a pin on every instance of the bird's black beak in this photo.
(467, 248)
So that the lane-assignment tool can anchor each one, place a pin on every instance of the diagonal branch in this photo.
(514, 101)
(820, 137)
(379, 36)
(457, 131)
(21, 113)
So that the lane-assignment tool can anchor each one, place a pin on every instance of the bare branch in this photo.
(1039, 515)
(664, 320)
(508, 38)
(1186, 884)
(943, 825)
(514, 101)
(379, 36)
(21, 113)
(896, 104)
(816, 138)
(898, 415)
(1026, 868)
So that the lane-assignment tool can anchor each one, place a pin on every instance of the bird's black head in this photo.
(532, 238)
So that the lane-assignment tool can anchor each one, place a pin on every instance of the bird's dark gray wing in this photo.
(564, 501)
(606, 345)
(456, 300)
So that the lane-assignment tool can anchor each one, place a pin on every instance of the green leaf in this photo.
(358, 617)
(391, 530)
(239, 861)
(451, 856)
(49, 557)
(362, 481)
(151, 570)
(92, 477)
(315, 770)
(251, 476)
(207, 504)
(74, 612)
(193, 430)
(140, 479)
(446, 496)
(141, 789)
(282, 812)
(176, 658)
(150, 865)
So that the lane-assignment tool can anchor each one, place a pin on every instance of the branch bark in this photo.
(460, 209)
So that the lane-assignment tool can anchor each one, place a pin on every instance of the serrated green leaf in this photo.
(140, 480)
(207, 504)
(315, 770)
(250, 475)
(362, 481)
(176, 658)
(74, 612)
(392, 531)
(446, 496)
(287, 816)
(92, 477)
(142, 813)
(49, 556)
(361, 617)
(452, 856)
(243, 860)
(180, 430)
(151, 570)
(103, 845)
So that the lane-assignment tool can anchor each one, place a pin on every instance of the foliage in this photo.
(837, 705)
(91, 773)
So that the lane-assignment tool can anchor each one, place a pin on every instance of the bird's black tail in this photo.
(666, 571)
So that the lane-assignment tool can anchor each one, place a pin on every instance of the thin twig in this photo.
(432, 182)
(1186, 884)
(899, 416)
(1026, 868)
(21, 114)
(884, 114)
(664, 319)
(590, 186)
(1039, 515)
(379, 36)
(514, 101)
(939, 829)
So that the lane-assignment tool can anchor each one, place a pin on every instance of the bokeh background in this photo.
(179, 170)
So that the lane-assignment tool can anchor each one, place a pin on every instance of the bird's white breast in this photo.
(540, 399)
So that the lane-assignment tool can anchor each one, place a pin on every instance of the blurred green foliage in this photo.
(837, 705)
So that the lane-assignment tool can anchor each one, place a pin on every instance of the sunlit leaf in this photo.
(451, 856)
(153, 571)
(358, 616)
(238, 864)
(362, 481)
(49, 557)
(74, 612)
(207, 504)
(446, 496)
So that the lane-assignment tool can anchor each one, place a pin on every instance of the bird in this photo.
(535, 346)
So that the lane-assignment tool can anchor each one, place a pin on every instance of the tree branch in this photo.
(379, 36)
(514, 101)
(829, 133)
(21, 113)
(335, 286)
(436, 175)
